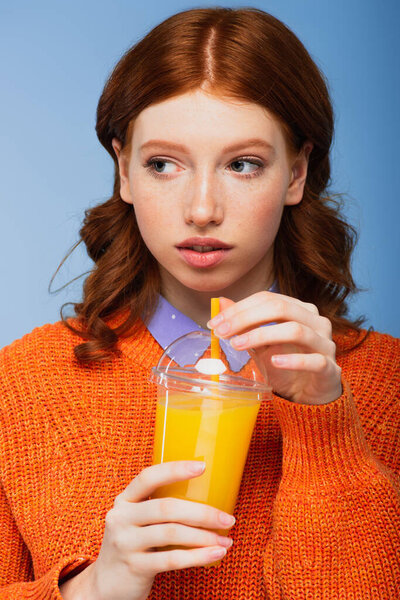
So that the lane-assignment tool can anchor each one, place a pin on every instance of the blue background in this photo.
(57, 58)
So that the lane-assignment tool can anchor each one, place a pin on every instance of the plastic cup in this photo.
(203, 417)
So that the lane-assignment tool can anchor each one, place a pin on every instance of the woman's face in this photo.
(205, 167)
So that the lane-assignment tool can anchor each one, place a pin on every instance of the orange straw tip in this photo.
(214, 307)
(215, 351)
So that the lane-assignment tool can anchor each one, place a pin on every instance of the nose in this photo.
(204, 201)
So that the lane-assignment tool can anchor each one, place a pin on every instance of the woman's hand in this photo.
(135, 527)
(295, 353)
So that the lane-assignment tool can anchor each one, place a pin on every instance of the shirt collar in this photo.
(168, 323)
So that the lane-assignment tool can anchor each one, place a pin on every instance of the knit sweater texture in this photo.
(318, 512)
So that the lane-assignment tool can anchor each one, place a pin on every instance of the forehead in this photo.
(204, 118)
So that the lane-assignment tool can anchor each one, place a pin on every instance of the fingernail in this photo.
(197, 467)
(218, 553)
(227, 519)
(225, 541)
(279, 359)
(223, 328)
(214, 322)
(239, 341)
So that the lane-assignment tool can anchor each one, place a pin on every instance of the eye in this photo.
(253, 162)
(156, 162)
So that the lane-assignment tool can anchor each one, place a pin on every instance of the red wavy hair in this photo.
(246, 54)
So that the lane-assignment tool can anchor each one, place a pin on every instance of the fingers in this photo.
(134, 528)
(285, 333)
(313, 363)
(167, 534)
(176, 559)
(156, 476)
(250, 301)
(295, 327)
(165, 510)
(268, 307)
(135, 545)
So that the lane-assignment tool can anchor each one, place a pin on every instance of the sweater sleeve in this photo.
(17, 577)
(336, 517)
(16, 571)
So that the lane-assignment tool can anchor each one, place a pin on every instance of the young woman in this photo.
(220, 125)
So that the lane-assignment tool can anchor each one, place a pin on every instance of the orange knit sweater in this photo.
(318, 514)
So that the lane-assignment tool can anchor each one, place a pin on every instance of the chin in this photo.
(205, 288)
(207, 285)
(207, 282)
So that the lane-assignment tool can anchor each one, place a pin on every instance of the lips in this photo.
(203, 252)
(204, 244)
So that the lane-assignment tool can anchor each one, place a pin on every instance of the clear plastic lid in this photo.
(187, 366)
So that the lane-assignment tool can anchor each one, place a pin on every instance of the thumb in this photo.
(225, 303)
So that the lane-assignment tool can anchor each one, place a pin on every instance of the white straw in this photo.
(165, 423)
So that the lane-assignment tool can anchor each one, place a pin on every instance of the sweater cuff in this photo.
(73, 567)
(324, 446)
(67, 567)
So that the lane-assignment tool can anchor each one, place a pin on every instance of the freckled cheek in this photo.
(261, 211)
(270, 211)
(153, 215)
(155, 219)
(155, 204)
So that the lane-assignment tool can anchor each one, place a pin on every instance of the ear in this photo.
(299, 168)
(124, 190)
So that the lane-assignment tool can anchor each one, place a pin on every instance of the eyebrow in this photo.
(231, 148)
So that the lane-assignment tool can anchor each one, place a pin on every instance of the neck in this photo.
(196, 304)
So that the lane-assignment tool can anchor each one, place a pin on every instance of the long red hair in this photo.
(241, 53)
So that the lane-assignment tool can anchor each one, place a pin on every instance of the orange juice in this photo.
(217, 431)
(208, 401)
